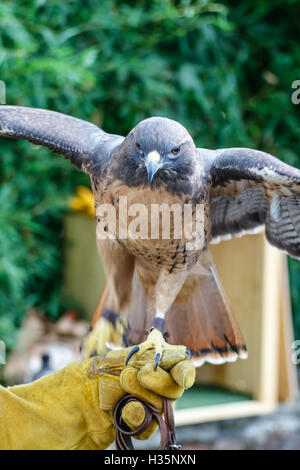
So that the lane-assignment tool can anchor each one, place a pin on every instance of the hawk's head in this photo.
(163, 147)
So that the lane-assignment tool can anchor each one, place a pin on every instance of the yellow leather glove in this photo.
(73, 408)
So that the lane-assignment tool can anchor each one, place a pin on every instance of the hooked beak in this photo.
(152, 164)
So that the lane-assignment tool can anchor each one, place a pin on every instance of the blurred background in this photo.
(224, 69)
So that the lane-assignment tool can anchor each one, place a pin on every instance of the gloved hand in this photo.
(73, 408)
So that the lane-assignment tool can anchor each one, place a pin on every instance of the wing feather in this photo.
(83, 143)
(249, 189)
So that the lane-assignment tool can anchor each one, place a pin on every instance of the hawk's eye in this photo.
(175, 150)
(138, 146)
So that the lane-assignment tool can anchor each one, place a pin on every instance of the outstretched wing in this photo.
(83, 143)
(250, 189)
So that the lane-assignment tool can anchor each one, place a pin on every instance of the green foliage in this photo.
(223, 69)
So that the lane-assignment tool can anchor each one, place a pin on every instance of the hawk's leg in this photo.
(166, 290)
(110, 324)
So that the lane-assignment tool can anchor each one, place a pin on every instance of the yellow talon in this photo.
(166, 354)
(102, 334)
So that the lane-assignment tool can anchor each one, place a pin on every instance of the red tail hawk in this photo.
(160, 281)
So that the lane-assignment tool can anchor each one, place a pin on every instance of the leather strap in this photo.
(166, 424)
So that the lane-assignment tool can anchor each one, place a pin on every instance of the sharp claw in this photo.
(126, 341)
(166, 336)
(156, 361)
(132, 352)
(189, 353)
